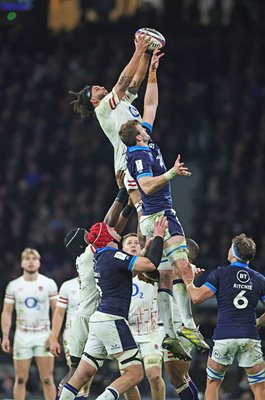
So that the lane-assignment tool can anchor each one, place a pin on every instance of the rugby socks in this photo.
(184, 303)
(185, 392)
(165, 306)
(194, 389)
(109, 394)
(68, 392)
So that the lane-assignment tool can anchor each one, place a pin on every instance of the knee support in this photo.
(256, 378)
(152, 361)
(213, 375)
(95, 361)
(129, 357)
(176, 251)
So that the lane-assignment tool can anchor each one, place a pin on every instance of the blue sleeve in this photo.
(148, 127)
(124, 261)
(142, 165)
(213, 280)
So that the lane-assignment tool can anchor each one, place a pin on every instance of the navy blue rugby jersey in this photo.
(113, 275)
(238, 289)
(148, 161)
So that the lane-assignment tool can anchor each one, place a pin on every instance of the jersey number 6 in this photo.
(240, 301)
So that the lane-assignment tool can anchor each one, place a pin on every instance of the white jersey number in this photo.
(240, 301)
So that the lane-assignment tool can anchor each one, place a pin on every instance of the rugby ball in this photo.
(157, 40)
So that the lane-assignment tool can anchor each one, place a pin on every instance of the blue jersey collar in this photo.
(135, 148)
(104, 249)
(239, 264)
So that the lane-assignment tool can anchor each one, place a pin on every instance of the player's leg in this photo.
(175, 249)
(256, 378)
(153, 371)
(250, 357)
(132, 375)
(177, 372)
(45, 367)
(215, 376)
(152, 355)
(132, 394)
(21, 377)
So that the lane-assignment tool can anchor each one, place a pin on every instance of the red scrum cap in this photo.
(99, 235)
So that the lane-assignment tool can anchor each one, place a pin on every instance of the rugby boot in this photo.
(175, 347)
(195, 337)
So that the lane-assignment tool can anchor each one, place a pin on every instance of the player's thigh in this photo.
(152, 354)
(214, 368)
(114, 334)
(249, 353)
(45, 366)
(23, 346)
(224, 352)
(22, 368)
(79, 329)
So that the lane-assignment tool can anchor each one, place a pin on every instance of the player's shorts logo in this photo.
(135, 113)
(216, 354)
(243, 276)
(31, 302)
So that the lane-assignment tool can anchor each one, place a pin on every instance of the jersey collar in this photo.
(105, 249)
(135, 148)
(239, 264)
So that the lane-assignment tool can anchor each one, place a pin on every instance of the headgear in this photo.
(99, 235)
(75, 241)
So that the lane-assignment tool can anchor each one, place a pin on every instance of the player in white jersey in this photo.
(32, 295)
(115, 108)
(66, 305)
(143, 318)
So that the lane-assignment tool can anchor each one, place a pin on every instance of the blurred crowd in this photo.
(56, 172)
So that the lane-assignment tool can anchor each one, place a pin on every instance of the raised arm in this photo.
(151, 93)
(140, 74)
(6, 322)
(112, 216)
(129, 71)
(151, 184)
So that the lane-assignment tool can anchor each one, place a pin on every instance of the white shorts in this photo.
(66, 344)
(149, 344)
(30, 344)
(247, 351)
(79, 329)
(167, 355)
(174, 228)
(108, 333)
(129, 182)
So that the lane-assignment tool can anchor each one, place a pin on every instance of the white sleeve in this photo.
(53, 290)
(130, 97)
(63, 296)
(107, 104)
(10, 294)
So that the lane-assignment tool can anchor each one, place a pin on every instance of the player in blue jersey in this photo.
(109, 332)
(238, 289)
(146, 165)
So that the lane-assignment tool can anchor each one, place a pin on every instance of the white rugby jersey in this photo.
(88, 291)
(111, 114)
(69, 298)
(32, 302)
(143, 313)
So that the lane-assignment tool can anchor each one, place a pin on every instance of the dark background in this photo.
(56, 173)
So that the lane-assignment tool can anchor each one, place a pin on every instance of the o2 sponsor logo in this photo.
(135, 113)
(136, 291)
(31, 302)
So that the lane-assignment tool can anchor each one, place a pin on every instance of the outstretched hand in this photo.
(154, 63)
(180, 169)
(160, 227)
(141, 43)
